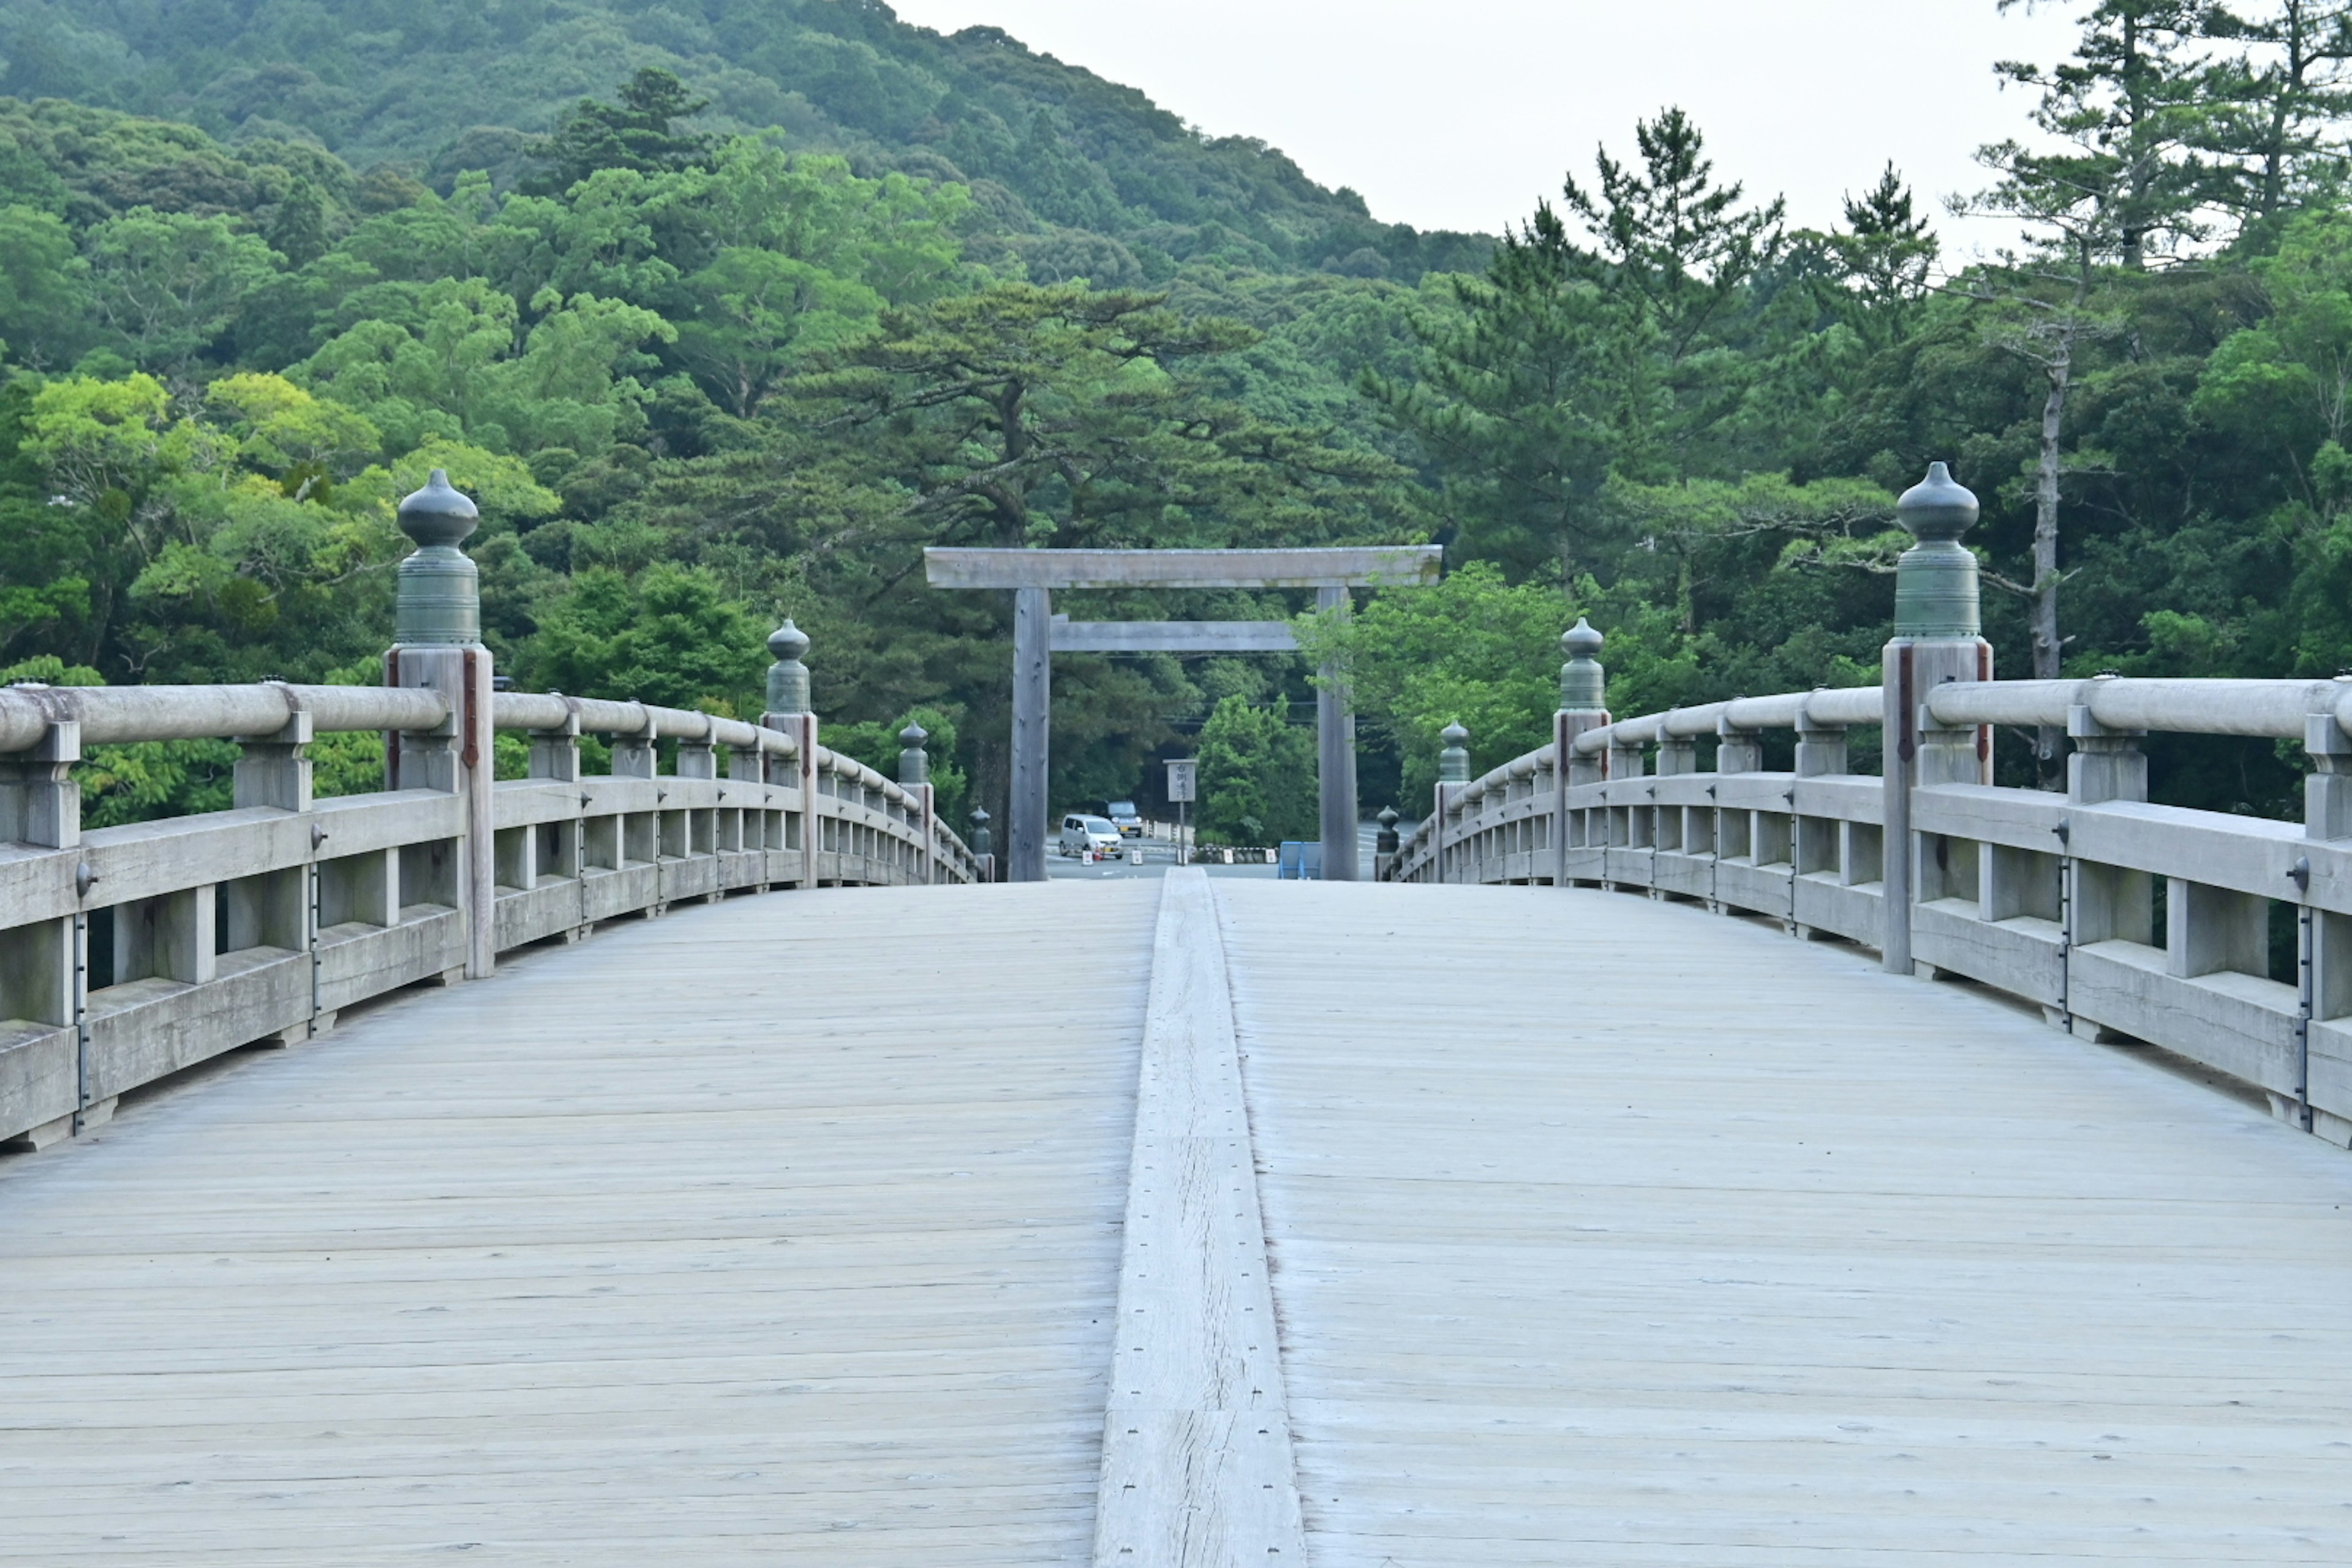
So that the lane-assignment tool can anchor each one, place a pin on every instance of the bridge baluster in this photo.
(635, 753)
(40, 803)
(1627, 758)
(697, 758)
(555, 752)
(2326, 934)
(42, 960)
(274, 770)
(269, 908)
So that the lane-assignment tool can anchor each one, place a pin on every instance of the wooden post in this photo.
(1936, 641)
(1033, 711)
(1384, 848)
(436, 643)
(1453, 772)
(915, 778)
(1335, 755)
(1583, 705)
(982, 845)
(788, 711)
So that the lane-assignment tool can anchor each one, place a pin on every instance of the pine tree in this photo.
(2276, 107)
(639, 132)
(1673, 235)
(2129, 105)
(1887, 247)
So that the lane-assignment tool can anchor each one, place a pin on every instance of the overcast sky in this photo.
(1461, 113)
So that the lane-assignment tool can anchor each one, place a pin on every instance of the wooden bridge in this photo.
(650, 1164)
(920, 1225)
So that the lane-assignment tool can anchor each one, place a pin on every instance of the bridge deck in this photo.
(789, 1230)
(1606, 1231)
(738, 1233)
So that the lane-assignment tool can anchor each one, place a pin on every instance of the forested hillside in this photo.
(1083, 177)
(737, 307)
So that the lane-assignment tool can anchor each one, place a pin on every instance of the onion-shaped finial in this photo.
(788, 641)
(438, 514)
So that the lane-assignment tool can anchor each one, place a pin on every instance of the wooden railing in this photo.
(128, 954)
(2121, 918)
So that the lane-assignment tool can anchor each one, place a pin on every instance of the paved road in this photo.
(1160, 857)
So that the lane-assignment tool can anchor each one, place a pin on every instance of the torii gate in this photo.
(1033, 575)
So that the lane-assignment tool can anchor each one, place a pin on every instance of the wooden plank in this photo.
(1196, 1462)
(1368, 566)
(1607, 1231)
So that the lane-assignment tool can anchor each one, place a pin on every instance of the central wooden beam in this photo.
(1197, 1467)
(1356, 566)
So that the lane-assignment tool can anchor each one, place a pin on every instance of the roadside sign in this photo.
(1180, 774)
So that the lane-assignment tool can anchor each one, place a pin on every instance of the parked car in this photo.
(1081, 833)
(1126, 819)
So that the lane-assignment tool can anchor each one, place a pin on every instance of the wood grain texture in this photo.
(1607, 1231)
(784, 1230)
(1196, 1469)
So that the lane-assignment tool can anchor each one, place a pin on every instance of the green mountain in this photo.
(1081, 176)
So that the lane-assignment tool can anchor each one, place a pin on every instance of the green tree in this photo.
(669, 636)
(466, 367)
(167, 285)
(2125, 110)
(1888, 252)
(1257, 777)
(2274, 108)
(1517, 401)
(43, 291)
(2279, 387)
(1567, 363)
(2123, 185)
(759, 316)
(282, 429)
(1673, 237)
(1472, 647)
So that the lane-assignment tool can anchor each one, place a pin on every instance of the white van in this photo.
(1081, 833)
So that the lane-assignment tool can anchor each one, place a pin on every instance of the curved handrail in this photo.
(113, 714)
(601, 716)
(1828, 708)
(2277, 709)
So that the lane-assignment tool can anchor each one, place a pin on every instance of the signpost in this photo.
(1183, 774)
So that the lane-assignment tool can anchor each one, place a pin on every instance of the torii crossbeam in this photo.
(1033, 575)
